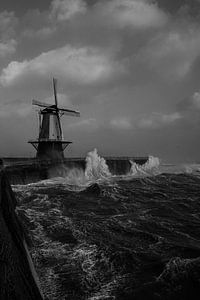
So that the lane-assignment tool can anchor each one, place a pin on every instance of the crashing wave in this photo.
(191, 168)
(96, 170)
(149, 168)
(96, 167)
(78, 179)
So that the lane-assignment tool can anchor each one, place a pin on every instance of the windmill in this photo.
(50, 144)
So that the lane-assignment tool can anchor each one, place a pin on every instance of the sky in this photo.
(131, 67)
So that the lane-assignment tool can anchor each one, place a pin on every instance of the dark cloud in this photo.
(22, 6)
(174, 6)
(125, 64)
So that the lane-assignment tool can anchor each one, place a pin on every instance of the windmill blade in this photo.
(56, 102)
(55, 91)
(69, 112)
(42, 104)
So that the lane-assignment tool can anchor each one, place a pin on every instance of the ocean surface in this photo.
(96, 236)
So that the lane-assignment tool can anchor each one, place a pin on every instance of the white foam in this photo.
(96, 170)
(149, 168)
(96, 167)
(191, 168)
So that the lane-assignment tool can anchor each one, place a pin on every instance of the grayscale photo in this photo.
(100, 150)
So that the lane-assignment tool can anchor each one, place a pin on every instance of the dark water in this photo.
(136, 237)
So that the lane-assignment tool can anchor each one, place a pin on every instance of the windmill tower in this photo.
(50, 144)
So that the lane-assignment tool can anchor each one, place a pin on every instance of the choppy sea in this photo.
(96, 236)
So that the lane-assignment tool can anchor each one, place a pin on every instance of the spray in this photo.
(149, 168)
(96, 167)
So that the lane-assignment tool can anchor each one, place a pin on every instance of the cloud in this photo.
(42, 33)
(63, 10)
(8, 47)
(121, 123)
(8, 23)
(191, 103)
(172, 53)
(43, 24)
(196, 101)
(157, 120)
(132, 13)
(85, 124)
(16, 108)
(86, 65)
(63, 100)
(107, 14)
(190, 108)
(38, 24)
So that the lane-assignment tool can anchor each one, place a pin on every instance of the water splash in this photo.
(96, 171)
(96, 167)
(149, 168)
(78, 179)
(191, 168)
(75, 177)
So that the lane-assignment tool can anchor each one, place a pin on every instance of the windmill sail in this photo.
(69, 112)
(41, 104)
(63, 111)
(55, 91)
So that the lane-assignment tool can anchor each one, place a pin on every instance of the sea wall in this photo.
(122, 165)
(24, 171)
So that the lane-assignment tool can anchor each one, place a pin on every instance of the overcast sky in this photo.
(131, 67)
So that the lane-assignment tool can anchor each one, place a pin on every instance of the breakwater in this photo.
(27, 170)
